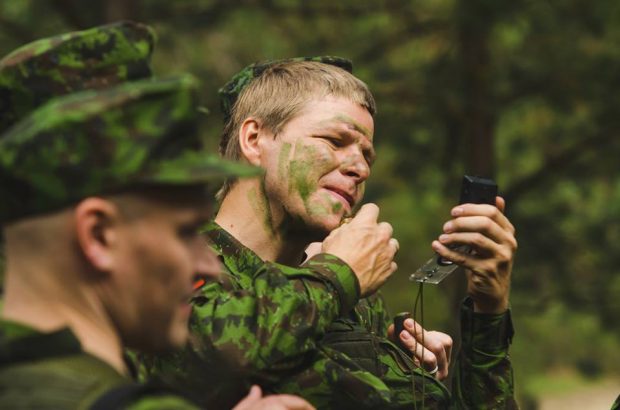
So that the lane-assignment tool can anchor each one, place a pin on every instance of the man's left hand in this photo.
(490, 234)
(430, 349)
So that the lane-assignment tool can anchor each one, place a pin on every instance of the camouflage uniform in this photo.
(292, 329)
(50, 371)
(283, 328)
(140, 133)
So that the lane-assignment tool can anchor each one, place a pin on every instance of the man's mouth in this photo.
(346, 197)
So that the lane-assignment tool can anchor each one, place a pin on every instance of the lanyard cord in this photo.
(419, 298)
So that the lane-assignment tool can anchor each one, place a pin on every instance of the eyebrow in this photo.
(353, 124)
(371, 155)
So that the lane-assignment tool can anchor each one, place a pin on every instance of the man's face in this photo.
(316, 166)
(161, 253)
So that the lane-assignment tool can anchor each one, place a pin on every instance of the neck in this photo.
(247, 215)
(48, 300)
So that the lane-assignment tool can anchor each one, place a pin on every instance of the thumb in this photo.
(252, 398)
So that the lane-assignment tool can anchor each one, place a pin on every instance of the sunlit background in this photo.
(524, 91)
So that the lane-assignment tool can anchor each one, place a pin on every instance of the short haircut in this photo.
(280, 93)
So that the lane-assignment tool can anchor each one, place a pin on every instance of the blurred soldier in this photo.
(103, 193)
(294, 328)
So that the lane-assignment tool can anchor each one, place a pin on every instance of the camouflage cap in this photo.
(98, 142)
(232, 89)
(94, 58)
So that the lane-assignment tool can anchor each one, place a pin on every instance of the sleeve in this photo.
(484, 377)
(274, 325)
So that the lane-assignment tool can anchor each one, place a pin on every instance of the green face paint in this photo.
(308, 164)
(353, 124)
(260, 205)
(283, 160)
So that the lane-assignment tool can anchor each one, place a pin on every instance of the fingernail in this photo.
(457, 211)
(448, 226)
(408, 323)
(405, 335)
(443, 238)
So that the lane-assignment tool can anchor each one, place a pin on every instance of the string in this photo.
(419, 298)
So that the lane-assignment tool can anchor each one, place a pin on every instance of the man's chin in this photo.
(321, 228)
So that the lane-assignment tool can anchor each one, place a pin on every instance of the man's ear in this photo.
(249, 134)
(96, 224)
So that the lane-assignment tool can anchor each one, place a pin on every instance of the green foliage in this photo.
(523, 91)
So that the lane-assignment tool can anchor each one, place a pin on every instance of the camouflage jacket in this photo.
(295, 330)
(51, 371)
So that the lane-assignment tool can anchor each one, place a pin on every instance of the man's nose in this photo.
(355, 165)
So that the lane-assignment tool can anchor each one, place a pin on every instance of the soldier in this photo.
(103, 193)
(30, 76)
(309, 125)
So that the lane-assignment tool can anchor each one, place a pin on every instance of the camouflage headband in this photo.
(95, 58)
(232, 89)
(98, 142)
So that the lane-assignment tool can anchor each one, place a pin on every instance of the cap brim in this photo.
(196, 168)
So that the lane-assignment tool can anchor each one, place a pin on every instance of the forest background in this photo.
(523, 91)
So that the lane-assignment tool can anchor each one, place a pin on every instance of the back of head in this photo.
(90, 59)
(274, 92)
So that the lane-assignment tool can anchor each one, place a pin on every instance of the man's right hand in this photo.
(366, 246)
(255, 401)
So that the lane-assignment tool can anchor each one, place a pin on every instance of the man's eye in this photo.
(336, 142)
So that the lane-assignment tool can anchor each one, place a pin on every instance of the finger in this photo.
(435, 342)
(448, 346)
(484, 246)
(487, 253)
(385, 229)
(441, 345)
(500, 203)
(466, 261)
(425, 345)
(367, 213)
(250, 400)
(390, 332)
(313, 249)
(487, 210)
(481, 224)
(421, 355)
(394, 244)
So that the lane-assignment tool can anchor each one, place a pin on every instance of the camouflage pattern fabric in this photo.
(90, 59)
(231, 90)
(98, 142)
(51, 371)
(273, 325)
(262, 325)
